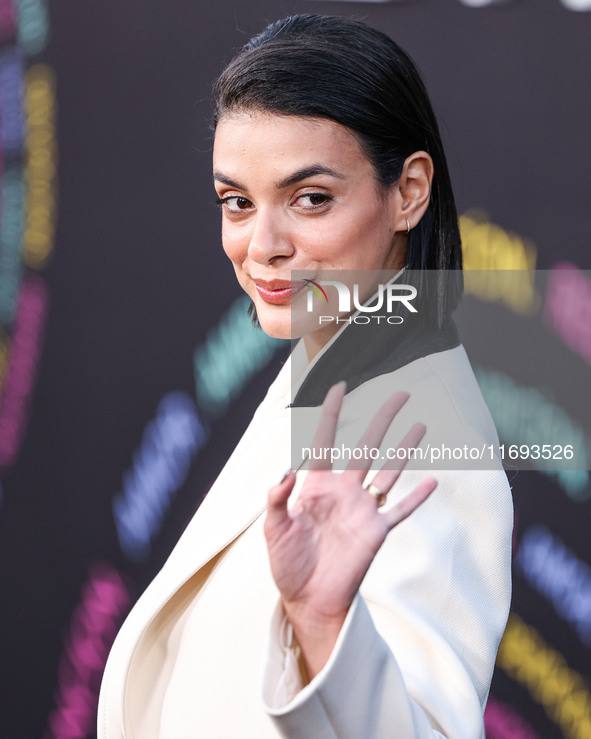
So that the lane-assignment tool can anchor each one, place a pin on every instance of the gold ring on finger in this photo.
(376, 493)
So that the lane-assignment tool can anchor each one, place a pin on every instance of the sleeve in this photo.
(415, 656)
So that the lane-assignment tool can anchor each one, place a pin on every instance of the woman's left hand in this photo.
(321, 549)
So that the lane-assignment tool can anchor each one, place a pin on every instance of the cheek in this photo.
(235, 246)
(349, 236)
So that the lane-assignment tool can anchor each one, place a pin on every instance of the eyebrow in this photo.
(313, 171)
(292, 179)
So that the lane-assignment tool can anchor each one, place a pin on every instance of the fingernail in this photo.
(286, 475)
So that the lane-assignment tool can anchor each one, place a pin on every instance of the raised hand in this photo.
(321, 549)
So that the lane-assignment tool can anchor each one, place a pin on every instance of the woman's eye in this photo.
(315, 199)
(234, 203)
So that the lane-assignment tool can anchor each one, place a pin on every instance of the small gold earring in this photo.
(407, 226)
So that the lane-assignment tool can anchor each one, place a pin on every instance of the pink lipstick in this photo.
(277, 292)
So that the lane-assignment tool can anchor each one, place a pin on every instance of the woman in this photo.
(327, 157)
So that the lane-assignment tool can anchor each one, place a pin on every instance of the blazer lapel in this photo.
(237, 497)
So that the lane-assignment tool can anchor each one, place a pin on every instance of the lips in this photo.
(278, 291)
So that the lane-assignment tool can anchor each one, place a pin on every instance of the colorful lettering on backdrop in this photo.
(501, 721)
(546, 563)
(11, 229)
(3, 358)
(33, 26)
(41, 165)
(13, 124)
(488, 250)
(160, 467)
(20, 375)
(555, 571)
(567, 309)
(7, 20)
(28, 194)
(28, 189)
(232, 354)
(95, 622)
(520, 411)
(563, 693)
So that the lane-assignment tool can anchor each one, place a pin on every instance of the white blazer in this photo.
(206, 650)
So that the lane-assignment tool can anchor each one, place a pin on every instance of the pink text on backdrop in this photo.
(503, 722)
(95, 621)
(567, 309)
(22, 368)
(7, 19)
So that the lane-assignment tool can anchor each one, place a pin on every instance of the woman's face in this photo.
(298, 193)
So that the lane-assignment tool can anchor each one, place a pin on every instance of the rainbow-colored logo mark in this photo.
(316, 288)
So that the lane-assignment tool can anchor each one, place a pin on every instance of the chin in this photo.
(276, 332)
(277, 327)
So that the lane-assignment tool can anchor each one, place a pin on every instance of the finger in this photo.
(376, 431)
(327, 426)
(410, 503)
(277, 515)
(403, 454)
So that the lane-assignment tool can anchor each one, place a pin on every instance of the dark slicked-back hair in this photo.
(348, 72)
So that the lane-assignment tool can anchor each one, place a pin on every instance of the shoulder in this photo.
(444, 395)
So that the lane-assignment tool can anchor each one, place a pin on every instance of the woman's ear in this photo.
(414, 188)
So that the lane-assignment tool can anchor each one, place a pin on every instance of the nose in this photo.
(269, 239)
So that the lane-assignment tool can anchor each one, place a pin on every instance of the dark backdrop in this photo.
(116, 301)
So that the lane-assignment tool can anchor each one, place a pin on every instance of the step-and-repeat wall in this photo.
(129, 367)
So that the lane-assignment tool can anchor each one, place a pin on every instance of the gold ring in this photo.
(376, 493)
